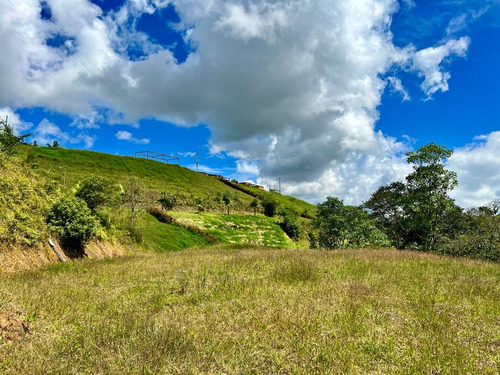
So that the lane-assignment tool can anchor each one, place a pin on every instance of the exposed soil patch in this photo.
(12, 324)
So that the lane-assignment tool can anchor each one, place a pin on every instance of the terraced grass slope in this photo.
(239, 229)
(254, 312)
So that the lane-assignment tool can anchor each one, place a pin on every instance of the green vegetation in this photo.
(419, 214)
(343, 226)
(72, 166)
(8, 140)
(256, 311)
(24, 200)
(160, 237)
(238, 229)
(290, 224)
(96, 192)
(74, 223)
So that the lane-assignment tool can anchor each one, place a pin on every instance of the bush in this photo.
(167, 201)
(290, 224)
(73, 222)
(270, 208)
(96, 191)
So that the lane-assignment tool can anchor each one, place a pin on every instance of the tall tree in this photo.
(227, 198)
(387, 207)
(428, 187)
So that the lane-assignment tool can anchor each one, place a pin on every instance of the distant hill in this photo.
(71, 166)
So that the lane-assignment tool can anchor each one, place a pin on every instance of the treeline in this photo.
(415, 214)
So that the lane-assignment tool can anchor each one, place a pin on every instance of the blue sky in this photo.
(327, 96)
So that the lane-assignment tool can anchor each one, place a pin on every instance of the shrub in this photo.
(73, 222)
(96, 191)
(290, 224)
(270, 207)
(167, 201)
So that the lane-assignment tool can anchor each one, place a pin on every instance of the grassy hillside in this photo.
(254, 312)
(239, 229)
(71, 166)
(38, 176)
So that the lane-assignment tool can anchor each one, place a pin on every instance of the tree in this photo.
(255, 205)
(134, 196)
(290, 224)
(270, 206)
(226, 198)
(167, 201)
(8, 140)
(428, 187)
(340, 226)
(387, 206)
(54, 144)
(96, 191)
(74, 223)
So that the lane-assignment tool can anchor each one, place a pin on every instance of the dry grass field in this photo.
(254, 311)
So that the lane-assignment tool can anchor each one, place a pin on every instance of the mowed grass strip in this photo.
(258, 312)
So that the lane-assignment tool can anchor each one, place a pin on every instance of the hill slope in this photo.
(71, 166)
(38, 176)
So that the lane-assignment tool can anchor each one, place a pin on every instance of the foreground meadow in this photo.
(254, 311)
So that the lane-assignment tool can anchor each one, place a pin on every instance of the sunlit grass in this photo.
(258, 311)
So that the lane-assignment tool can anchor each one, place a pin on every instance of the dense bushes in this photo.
(341, 226)
(74, 223)
(290, 224)
(96, 191)
(24, 200)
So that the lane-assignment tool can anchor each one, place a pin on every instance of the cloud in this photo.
(293, 86)
(428, 63)
(397, 86)
(13, 119)
(462, 21)
(187, 154)
(124, 135)
(47, 132)
(410, 3)
(248, 168)
(478, 169)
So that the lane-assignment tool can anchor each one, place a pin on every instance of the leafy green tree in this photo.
(54, 144)
(255, 205)
(96, 191)
(428, 187)
(270, 207)
(8, 140)
(330, 223)
(226, 199)
(340, 226)
(480, 234)
(290, 224)
(387, 206)
(134, 196)
(73, 222)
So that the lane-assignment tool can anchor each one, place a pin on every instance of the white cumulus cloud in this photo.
(124, 135)
(478, 169)
(291, 85)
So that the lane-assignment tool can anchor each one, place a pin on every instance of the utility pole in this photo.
(196, 162)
